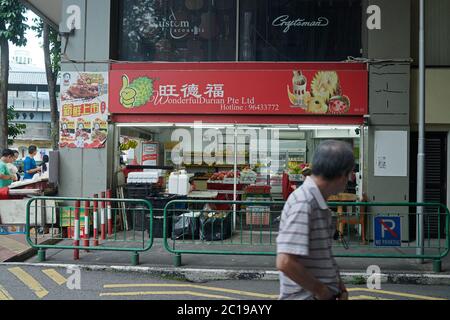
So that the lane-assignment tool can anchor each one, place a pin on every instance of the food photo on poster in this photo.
(84, 110)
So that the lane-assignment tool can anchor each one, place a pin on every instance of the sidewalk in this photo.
(14, 248)
(202, 267)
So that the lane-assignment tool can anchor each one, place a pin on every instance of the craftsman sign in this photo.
(387, 231)
(286, 22)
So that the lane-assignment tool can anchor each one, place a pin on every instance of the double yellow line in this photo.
(189, 292)
(394, 293)
(31, 282)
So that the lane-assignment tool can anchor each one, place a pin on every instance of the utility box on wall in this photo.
(388, 174)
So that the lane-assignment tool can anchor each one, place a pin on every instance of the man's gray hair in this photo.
(333, 159)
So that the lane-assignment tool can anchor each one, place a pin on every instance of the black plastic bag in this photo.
(186, 226)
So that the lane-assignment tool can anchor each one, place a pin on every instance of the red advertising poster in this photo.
(150, 152)
(252, 92)
(84, 110)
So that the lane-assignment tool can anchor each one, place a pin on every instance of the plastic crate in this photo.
(160, 201)
(158, 226)
(254, 189)
(141, 218)
(223, 186)
(142, 190)
(257, 215)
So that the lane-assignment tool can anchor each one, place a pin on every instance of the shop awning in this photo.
(49, 10)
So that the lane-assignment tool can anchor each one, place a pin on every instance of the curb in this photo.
(398, 278)
(204, 275)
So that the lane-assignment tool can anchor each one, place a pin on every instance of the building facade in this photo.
(241, 31)
(28, 94)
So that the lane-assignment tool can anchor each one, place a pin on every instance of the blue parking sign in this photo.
(387, 231)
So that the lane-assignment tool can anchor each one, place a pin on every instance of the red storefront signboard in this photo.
(337, 92)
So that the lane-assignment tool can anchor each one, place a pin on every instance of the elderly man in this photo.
(6, 177)
(307, 268)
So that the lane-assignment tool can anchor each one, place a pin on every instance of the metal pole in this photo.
(237, 30)
(421, 142)
(235, 177)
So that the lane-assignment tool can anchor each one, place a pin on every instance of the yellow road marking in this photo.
(55, 276)
(238, 292)
(362, 297)
(29, 281)
(147, 293)
(394, 293)
(4, 295)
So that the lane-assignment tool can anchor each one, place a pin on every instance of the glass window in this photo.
(300, 30)
(269, 30)
(177, 30)
(265, 155)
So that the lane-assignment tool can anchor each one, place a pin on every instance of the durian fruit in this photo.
(325, 84)
(317, 105)
(144, 90)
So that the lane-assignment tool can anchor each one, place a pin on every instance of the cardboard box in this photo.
(71, 232)
(67, 217)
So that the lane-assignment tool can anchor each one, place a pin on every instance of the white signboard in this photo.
(391, 158)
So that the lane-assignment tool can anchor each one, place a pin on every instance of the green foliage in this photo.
(13, 22)
(358, 280)
(14, 129)
(55, 44)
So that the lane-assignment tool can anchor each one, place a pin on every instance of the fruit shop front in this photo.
(232, 130)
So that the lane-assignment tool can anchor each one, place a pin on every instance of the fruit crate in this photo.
(255, 189)
(257, 215)
(142, 190)
(223, 186)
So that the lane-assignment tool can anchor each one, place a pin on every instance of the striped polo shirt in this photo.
(306, 230)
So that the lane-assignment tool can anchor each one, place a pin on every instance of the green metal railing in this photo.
(249, 236)
(113, 238)
(435, 244)
(228, 228)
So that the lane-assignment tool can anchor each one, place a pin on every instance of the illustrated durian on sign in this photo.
(137, 93)
(325, 84)
(325, 95)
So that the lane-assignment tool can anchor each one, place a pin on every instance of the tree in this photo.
(12, 28)
(14, 129)
(52, 56)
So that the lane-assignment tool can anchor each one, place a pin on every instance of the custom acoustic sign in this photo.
(258, 92)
